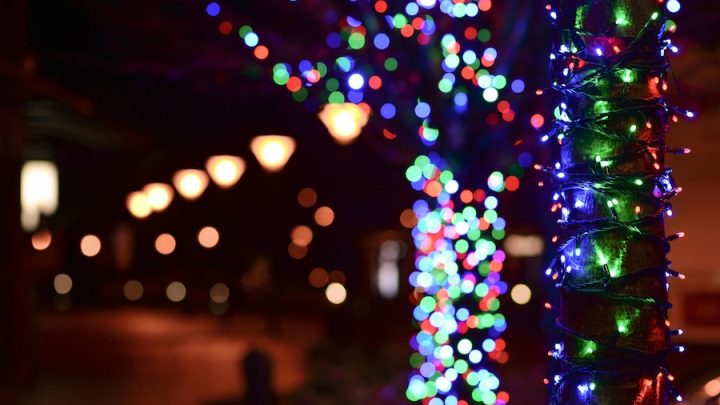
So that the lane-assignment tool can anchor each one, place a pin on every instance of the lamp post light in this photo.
(139, 204)
(190, 183)
(344, 121)
(38, 192)
(159, 195)
(272, 151)
(225, 170)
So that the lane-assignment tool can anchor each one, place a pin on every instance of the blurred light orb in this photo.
(90, 245)
(344, 121)
(38, 192)
(356, 81)
(307, 197)
(408, 219)
(219, 293)
(712, 388)
(176, 291)
(524, 245)
(673, 6)
(190, 183)
(272, 151)
(337, 276)
(138, 204)
(301, 235)
(324, 216)
(336, 293)
(521, 294)
(62, 283)
(225, 170)
(159, 196)
(426, 3)
(318, 277)
(212, 9)
(297, 252)
(41, 239)
(133, 290)
(208, 237)
(165, 244)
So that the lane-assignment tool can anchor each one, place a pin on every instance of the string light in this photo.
(457, 286)
(360, 58)
(612, 192)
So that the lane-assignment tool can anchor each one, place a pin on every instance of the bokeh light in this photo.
(62, 283)
(344, 121)
(336, 293)
(272, 151)
(90, 245)
(307, 197)
(521, 294)
(41, 239)
(219, 293)
(301, 235)
(208, 237)
(165, 244)
(457, 286)
(133, 290)
(318, 277)
(296, 251)
(324, 216)
(176, 291)
(159, 195)
(337, 276)
(408, 218)
(138, 204)
(225, 170)
(190, 183)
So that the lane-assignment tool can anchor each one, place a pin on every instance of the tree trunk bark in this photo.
(613, 192)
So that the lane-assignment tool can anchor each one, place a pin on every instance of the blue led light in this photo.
(388, 111)
(517, 86)
(422, 110)
(381, 41)
(213, 9)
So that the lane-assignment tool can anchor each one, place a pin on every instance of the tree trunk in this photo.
(613, 191)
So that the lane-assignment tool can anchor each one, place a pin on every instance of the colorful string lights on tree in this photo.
(367, 61)
(457, 285)
(612, 192)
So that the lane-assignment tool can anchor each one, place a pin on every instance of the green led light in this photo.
(300, 95)
(336, 97)
(244, 30)
(399, 20)
(589, 348)
(332, 84)
(483, 35)
(356, 40)
(627, 75)
(623, 326)
(445, 85)
(391, 64)
(601, 107)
